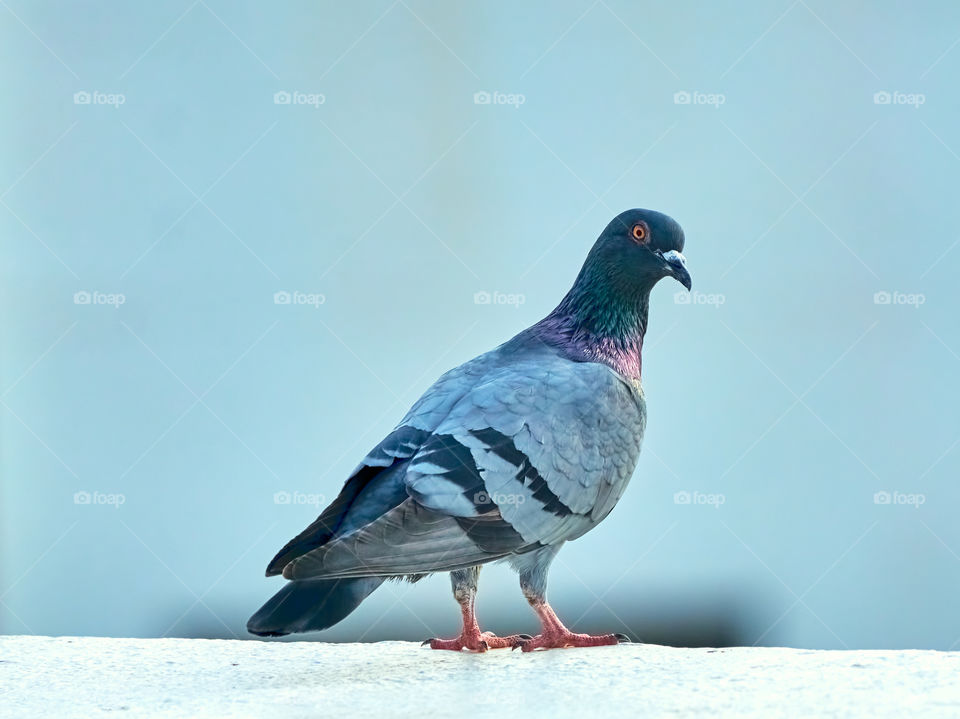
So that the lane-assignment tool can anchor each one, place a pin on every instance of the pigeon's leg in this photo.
(553, 635)
(464, 583)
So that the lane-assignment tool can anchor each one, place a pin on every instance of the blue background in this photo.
(787, 389)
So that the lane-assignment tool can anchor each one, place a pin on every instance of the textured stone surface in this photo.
(82, 677)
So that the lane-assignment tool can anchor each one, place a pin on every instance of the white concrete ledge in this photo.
(92, 677)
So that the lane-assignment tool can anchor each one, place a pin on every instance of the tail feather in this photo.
(310, 604)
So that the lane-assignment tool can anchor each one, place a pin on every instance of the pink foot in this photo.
(566, 638)
(477, 642)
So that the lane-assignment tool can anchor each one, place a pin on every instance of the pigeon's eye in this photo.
(639, 233)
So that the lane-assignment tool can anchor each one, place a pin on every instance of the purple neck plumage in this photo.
(597, 322)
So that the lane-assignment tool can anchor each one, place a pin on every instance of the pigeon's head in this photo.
(642, 247)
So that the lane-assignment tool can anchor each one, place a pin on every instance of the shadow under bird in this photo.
(505, 457)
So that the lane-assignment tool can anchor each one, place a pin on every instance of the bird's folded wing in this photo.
(368, 492)
(535, 454)
(409, 539)
(548, 445)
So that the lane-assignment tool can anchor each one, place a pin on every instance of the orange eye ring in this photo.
(639, 233)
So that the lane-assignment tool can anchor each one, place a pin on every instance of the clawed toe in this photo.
(521, 640)
(453, 645)
(563, 640)
(479, 643)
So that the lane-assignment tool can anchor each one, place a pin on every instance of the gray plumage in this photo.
(507, 456)
(555, 441)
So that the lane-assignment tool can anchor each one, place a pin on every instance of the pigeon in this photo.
(504, 458)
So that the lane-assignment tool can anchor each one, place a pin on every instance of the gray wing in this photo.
(376, 485)
(534, 452)
(553, 443)
(373, 488)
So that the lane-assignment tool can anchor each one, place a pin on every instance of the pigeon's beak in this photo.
(677, 267)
